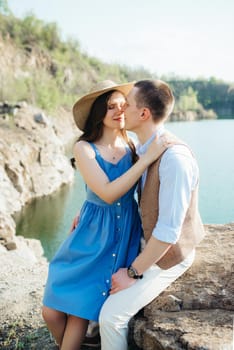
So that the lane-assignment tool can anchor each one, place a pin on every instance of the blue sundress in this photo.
(106, 238)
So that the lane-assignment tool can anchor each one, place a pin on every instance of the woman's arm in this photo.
(97, 180)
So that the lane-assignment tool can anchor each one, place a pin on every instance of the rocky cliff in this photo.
(32, 160)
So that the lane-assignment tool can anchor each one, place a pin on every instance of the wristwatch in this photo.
(132, 273)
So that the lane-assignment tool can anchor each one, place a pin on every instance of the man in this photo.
(170, 218)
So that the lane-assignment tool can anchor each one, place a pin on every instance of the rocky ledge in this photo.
(194, 313)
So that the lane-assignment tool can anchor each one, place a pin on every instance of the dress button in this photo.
(118, 203)
(114, 255)
(107, 281)
(103, 293)
(118, 216)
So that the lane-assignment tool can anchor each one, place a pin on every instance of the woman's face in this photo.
(114, 117)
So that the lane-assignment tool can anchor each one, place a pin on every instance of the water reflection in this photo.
(49, 218)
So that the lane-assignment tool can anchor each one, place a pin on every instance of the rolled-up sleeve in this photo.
(178, 174)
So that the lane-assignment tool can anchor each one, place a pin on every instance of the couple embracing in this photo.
(100, 272)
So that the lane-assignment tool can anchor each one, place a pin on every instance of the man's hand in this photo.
(120, 280)
(75, 222)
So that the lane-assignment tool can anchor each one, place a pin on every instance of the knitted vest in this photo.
(192, 231)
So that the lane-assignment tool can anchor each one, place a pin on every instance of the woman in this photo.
(109, 230)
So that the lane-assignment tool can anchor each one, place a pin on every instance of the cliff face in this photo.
(32, 160)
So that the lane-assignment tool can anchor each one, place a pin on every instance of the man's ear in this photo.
(145, 114)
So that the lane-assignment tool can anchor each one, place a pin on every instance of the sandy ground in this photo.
(22, 280)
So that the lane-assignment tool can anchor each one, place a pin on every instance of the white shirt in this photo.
(178, 174)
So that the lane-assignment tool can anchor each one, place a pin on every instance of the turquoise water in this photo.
(213, 145)
(49, 218)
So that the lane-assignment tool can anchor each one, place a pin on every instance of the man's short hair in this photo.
(155, 95)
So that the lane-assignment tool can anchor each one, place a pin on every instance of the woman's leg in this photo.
(56, 322)
(74, 334)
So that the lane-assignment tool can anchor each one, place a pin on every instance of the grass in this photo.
(20, 336)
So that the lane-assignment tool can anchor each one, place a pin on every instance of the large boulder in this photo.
(196, 311)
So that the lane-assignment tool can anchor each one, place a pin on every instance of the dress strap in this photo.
(94, 147)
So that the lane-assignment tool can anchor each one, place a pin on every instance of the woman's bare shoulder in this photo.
(82, 148)
(81, 145)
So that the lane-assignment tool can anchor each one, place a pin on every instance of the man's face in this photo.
(131, 111)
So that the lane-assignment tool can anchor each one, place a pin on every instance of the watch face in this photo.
(131, 273)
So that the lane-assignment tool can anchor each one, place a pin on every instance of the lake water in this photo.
(49, 218)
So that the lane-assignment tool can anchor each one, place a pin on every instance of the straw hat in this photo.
(82, 107)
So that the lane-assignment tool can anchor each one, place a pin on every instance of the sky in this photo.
(186, 38)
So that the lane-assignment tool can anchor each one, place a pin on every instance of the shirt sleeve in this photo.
(178, 174)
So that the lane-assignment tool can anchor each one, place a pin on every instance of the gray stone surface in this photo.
(196, 312)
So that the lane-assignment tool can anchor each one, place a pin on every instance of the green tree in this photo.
(188, 100)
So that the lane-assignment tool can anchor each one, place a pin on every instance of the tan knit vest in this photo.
(192, 230)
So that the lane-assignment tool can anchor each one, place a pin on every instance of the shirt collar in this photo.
(141, 149)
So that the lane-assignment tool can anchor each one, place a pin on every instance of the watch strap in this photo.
(132, 273)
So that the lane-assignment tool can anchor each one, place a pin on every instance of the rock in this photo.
(35, 246)
(7, 227)
(7, 108)
(41, 118)
(196, 311)
(168, 303)
(11, 245)
(32, 160)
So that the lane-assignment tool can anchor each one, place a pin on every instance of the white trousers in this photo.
(120, 307)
